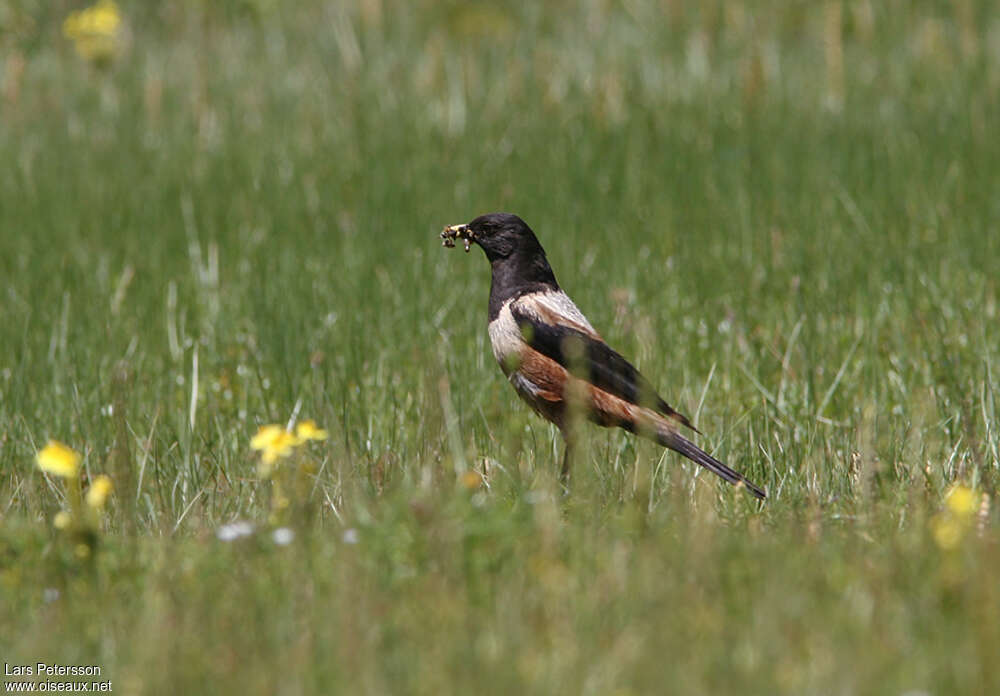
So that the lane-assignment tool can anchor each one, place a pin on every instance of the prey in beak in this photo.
(453, 232)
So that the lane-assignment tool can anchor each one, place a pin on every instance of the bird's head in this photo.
(501, 235)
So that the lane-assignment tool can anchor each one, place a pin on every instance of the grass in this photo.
(785, 214)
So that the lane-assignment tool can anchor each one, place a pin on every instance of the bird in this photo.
(555, 359)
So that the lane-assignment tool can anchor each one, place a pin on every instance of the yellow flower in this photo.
(951, 525)
(62, 520)
(281, 446)
(95, 30)
(947, 531)
(101, 18)
(471, 480)
(961, 501)
(99, 491)
(265, 436)
(58, 459)
(274, 441)
(308, 430)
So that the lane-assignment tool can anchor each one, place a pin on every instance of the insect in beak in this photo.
(453, 232)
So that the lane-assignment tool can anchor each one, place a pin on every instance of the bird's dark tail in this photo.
(678, 443)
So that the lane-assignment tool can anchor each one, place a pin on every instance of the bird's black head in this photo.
(501, 235)
(518, 260)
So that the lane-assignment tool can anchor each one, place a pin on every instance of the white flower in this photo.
(283, 536)
(234, 531)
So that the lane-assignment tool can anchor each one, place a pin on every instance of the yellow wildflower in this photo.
(100, 489)
(951, 525)
(961, 501)
(265, 436)
(58, 459)
(947, 531)
(281, 446)
(471, 480)
(308, 430)
(274, 441)
(62, 520)
(95, 30)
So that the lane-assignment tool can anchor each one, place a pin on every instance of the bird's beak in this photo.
(453, 232)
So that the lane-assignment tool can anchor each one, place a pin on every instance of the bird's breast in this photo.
(506, 339)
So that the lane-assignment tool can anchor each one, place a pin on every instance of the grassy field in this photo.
(787, 215)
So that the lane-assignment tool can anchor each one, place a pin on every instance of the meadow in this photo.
(786, 214)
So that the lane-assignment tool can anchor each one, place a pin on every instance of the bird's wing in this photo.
(560, 335)
(558, 309)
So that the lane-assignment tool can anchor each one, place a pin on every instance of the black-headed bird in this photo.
(555, 359)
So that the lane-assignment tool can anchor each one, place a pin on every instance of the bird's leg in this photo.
(566, 463)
